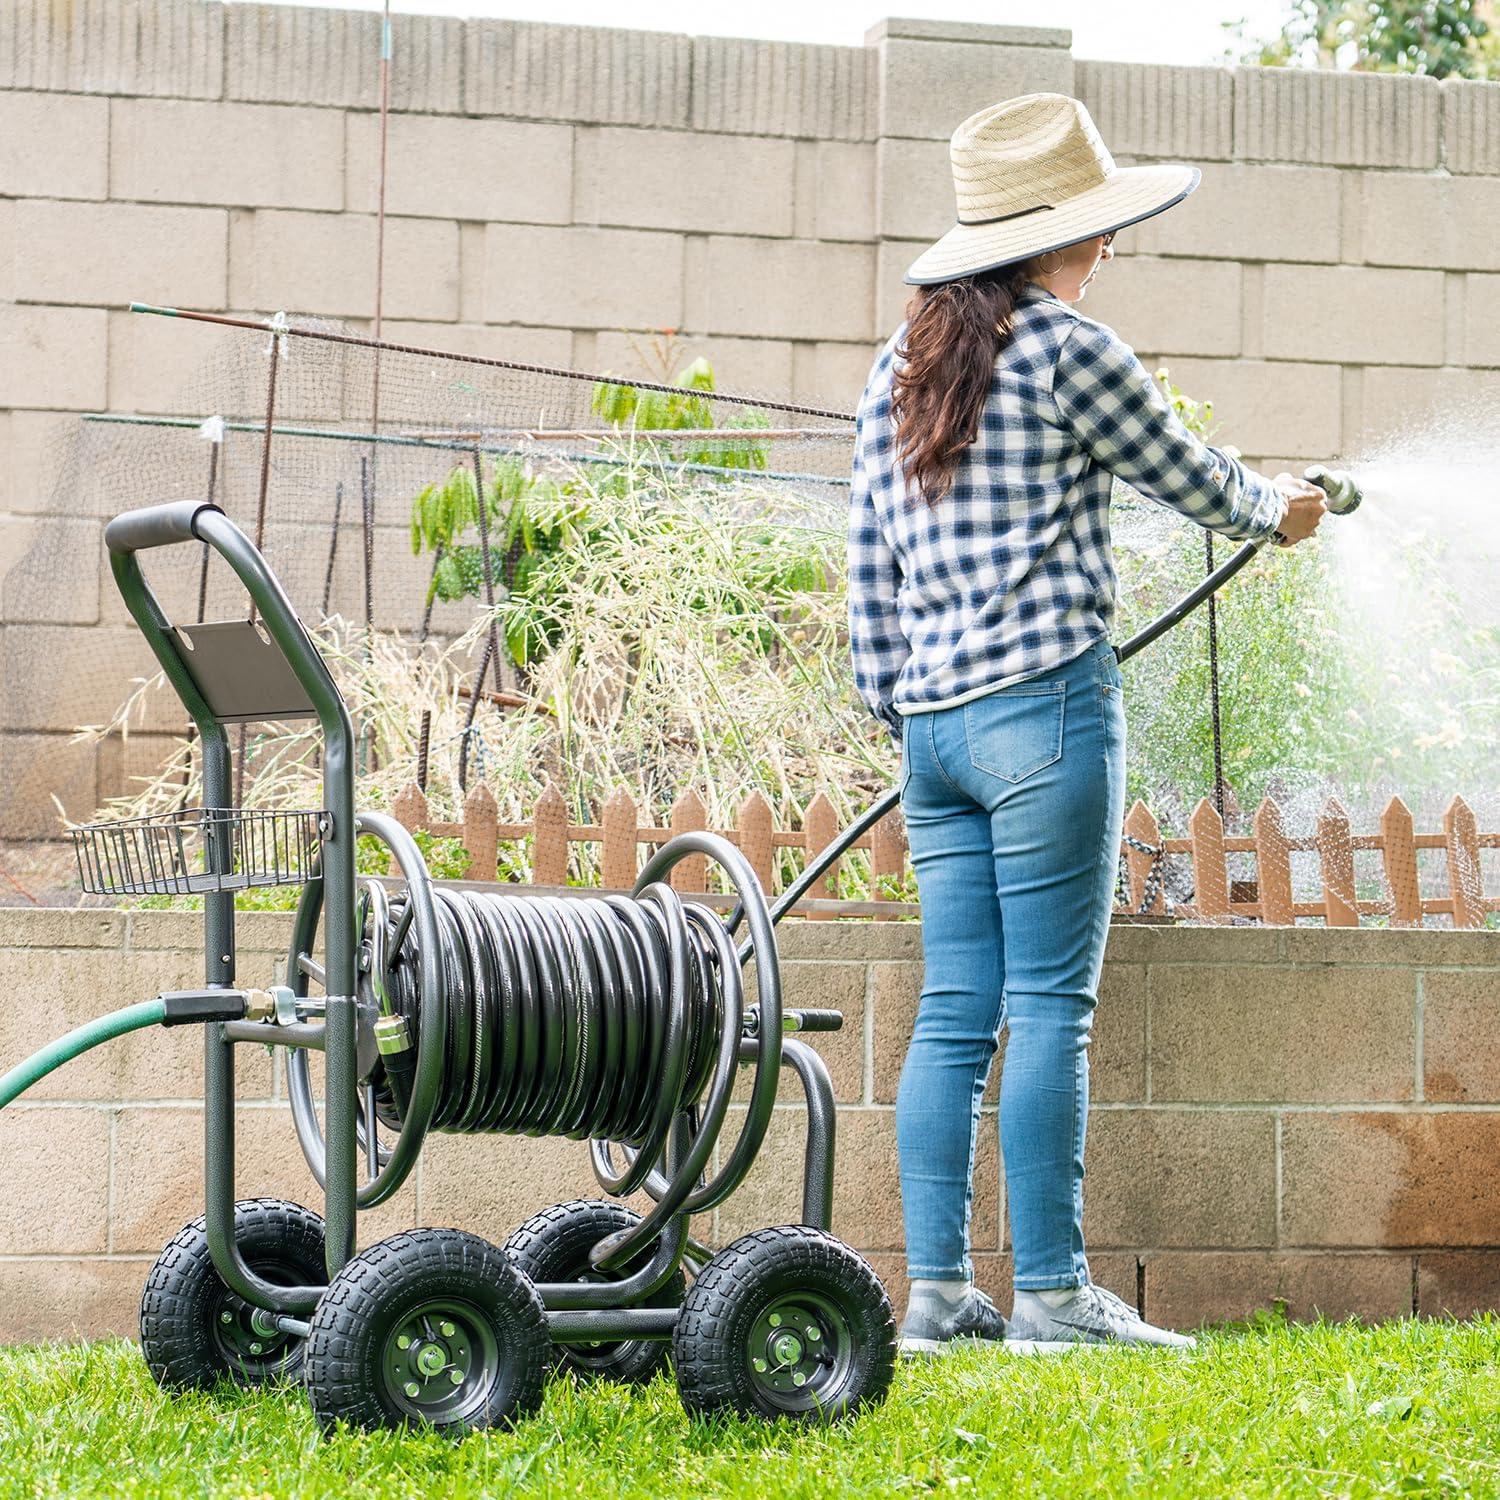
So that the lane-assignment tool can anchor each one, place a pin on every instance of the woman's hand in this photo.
(1305, 509)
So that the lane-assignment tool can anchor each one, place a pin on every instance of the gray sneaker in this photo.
(933, 1325)
(1094, 1316)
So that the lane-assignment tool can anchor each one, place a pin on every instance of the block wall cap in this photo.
(911, 29)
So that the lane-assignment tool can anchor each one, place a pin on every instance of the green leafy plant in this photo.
(1441, 38)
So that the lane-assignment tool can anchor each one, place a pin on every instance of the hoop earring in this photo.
(1047, 270)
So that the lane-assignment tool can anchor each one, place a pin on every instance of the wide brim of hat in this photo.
(1130, 195)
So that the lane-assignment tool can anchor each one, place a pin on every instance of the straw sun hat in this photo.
(1032, 175)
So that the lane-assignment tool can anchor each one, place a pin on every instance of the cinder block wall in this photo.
(1296, 1115)
(554, 189)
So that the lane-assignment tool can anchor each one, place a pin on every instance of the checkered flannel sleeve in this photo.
(876, 643)
(1121, 416)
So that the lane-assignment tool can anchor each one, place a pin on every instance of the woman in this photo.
(981, 595)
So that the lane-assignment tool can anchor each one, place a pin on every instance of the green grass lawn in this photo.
(1405, 1409)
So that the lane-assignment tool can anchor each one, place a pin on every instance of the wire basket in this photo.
(197, 850)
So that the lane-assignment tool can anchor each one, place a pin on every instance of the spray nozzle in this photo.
(1343, 494)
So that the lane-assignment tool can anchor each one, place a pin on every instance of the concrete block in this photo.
(7, 250)
(491, 1184)
(70, 696)
(1419, 947)
(784, 89)
(127, 766)
(1309, 1035)
(52, 357)
(892, 294)
(44, 1298)
(1267, 407)
(1186, 1290)
(844, 191)
(834, 375)
(583, 278)
(860, 941)
(324, 264)
(1389, 1179)
(158, 1174)
(913, 190)
(159, 364)
(317, 55)
(1353, 313)
(866, 1181)
(1430, 220)
(119, 252)
(740, 365)
(159, 47)
(54, 146)
(922, 30)
(928, 88)
(528, 346)
(56, 1164)
(48, 927)
(239, 155)
(35, 768)
(151, 1064)
(1246, 213)
(1116, 1052)
(1169, 306)
(1338, 119)
(1146, 109)
(690, 180)
(822, 986)
(1471, 126)
(1132, 944)
(463, 169)
(1172, 1178)
(534, 70)
(779, 288)
(41, 579)
(257, 933)
(1460, 1049)
(1481, 325)
(1458, 1283)
(1400, 401)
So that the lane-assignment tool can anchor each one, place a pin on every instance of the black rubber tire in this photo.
(187, 1343)
(712, 1346)
(554, 1245)
(392, 1281)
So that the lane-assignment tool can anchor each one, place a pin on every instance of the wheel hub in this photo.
(794, 1347)
(439, 1362)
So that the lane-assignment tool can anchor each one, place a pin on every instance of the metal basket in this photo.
(197, 850)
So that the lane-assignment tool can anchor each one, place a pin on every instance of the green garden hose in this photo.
(66, 1048)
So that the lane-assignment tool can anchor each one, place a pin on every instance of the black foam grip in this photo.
(155, 526)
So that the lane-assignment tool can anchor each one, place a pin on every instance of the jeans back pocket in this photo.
(1016, 731)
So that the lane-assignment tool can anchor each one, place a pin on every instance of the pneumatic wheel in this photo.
(432, 1327)
(786, 1322)
(194, 1330)
(554, 1245)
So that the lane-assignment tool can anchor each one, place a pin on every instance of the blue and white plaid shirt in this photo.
(1011, 573)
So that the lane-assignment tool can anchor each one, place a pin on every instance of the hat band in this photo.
(1020, 213)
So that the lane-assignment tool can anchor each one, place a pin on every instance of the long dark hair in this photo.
(954, 333)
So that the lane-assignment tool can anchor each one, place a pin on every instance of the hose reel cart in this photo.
(620, 1020)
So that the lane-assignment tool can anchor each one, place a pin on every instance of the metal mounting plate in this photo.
(241, 672)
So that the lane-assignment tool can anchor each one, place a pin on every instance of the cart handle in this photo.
(156, 525)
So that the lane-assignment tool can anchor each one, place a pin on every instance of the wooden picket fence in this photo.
(1267, 897)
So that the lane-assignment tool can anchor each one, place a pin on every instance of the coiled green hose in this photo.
(66, 1048)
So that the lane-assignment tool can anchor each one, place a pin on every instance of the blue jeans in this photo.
(1013, 804)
